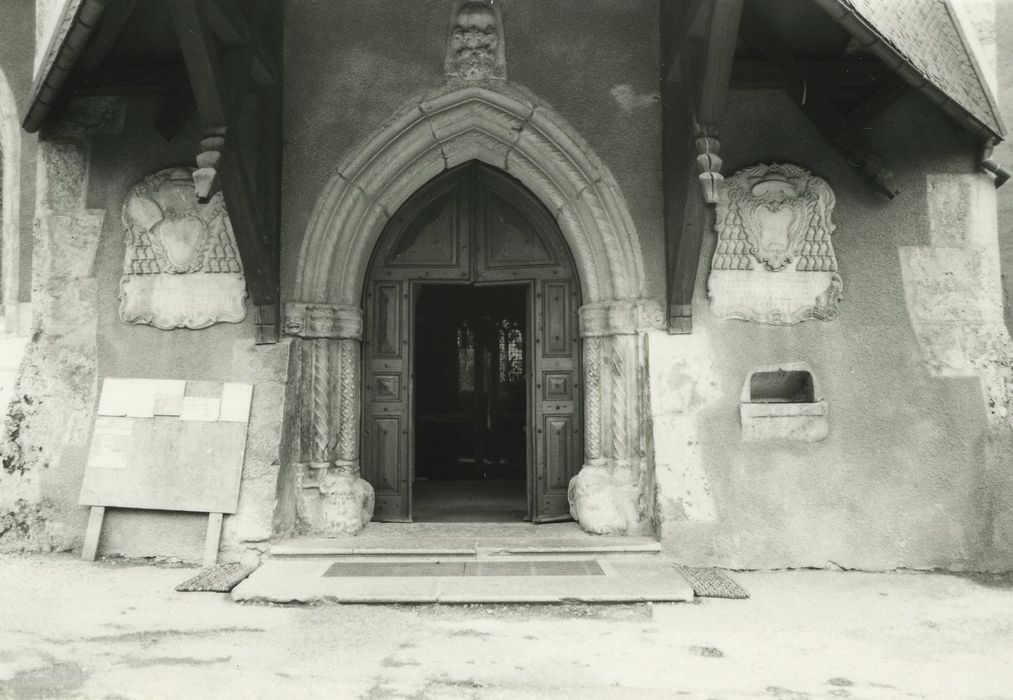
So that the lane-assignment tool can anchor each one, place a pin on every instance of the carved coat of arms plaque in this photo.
(774, 262)
(180, 268)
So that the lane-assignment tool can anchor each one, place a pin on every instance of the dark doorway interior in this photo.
(471, 404)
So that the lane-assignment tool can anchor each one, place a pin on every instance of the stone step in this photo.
(466, 540)
(473, 547)
(315, 580)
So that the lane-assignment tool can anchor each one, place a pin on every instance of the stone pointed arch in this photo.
(499, 124)
(506, 127)
(10, 157)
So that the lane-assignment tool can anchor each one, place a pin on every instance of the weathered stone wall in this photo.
(88, 164)
(18, 152)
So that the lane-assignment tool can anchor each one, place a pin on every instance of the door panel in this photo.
(518, 402)
(557, 399)
(387, 320)
(386, 415)
(556, 336)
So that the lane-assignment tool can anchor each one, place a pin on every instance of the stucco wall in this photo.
(899, 480)
(346, 72)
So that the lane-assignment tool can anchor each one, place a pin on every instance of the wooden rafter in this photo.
(763, 74)
(695, 74)
(114, 21)
(232, 27)
(220, 81)
(814, 101)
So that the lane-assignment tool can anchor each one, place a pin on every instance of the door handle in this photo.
(488, 414)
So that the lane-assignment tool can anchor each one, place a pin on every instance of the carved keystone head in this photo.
(475, 47)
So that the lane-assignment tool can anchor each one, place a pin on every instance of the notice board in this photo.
(164, 444)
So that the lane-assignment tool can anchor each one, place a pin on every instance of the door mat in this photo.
(710, 582)
(219, 579)
(469, 568)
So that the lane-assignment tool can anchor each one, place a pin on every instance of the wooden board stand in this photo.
(167, 445)
(212, 538)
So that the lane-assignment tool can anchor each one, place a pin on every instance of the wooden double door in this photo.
(471, 350)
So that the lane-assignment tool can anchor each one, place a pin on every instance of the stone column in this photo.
(610, 494)
(332, 497)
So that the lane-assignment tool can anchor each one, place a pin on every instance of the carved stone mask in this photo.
(474, 41)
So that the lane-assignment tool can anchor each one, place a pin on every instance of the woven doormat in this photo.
(219, 579)
(708, 582)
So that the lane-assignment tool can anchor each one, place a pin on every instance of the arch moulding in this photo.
(506, 127)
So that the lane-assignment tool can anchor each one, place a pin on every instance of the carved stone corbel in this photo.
(334, 499)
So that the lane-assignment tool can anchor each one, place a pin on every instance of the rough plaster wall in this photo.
(595, 62)
(51, 412)
(899, 480)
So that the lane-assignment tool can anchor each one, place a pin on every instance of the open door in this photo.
(472, 272)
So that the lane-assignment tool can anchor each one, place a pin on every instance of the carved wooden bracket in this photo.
(205, 178)
(709, 163)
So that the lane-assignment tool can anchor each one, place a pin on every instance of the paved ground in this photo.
(113, 630)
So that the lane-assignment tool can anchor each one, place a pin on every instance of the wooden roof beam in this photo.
(814, 102)
(232, 27)
(694, 92)
(220, 157)
(760, 73)
(114, 21)
(680, 19)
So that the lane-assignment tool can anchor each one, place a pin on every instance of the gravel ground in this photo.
(119, 630)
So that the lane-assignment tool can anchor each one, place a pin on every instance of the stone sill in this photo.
(799, 422)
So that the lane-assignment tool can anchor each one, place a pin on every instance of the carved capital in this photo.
(323, 321)
(621, 317)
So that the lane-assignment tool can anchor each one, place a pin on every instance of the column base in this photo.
(601, 504)
(337, 502)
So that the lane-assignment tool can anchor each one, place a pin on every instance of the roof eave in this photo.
(79, 20)
(869, 37)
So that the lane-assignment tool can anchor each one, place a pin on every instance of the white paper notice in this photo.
(200, 408)
(169, 396)
(139, 401)
(111, 443)
(115, 396)
(236, 402)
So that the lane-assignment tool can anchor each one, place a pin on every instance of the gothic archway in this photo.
(506, 127)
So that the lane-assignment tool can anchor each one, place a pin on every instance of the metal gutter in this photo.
(80, 18)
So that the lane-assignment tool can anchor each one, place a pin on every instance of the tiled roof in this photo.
(928, 36)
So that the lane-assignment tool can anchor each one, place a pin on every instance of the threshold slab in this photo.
(294, 580)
